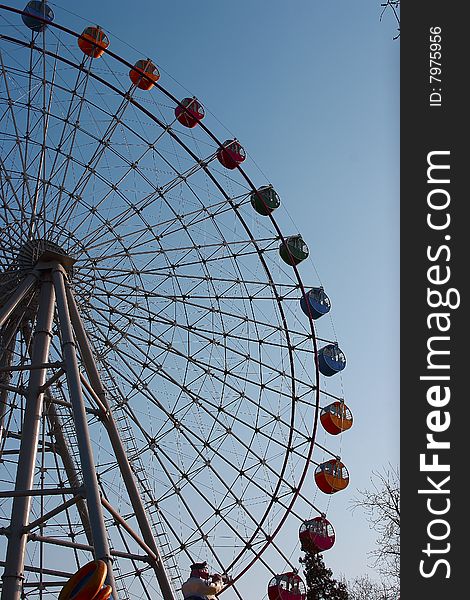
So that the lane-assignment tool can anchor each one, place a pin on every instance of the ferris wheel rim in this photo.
(240, 217)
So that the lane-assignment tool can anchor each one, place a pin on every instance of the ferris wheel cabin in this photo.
(316, 535)
(315, 303)
(145, 74)
(331, 360)
(287, 586)
(35, 9)
(231, 154)
(336, 417)
(293, 250)
(331, 476)
(93, 42)
(189, 112)
(265, 200)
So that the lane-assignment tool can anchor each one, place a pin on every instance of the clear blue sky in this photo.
(311, 88)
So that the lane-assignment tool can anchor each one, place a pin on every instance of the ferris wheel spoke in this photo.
(67, 157)
(132, 166)
(182, 222)
(216, 252)
(8, 216)
(26, 191)
(201, 405)
(67, 140)
(22, 156)
(217, 372)
(137, 209)
(290, 507)
(290, 289)
(104, 143)
(268, 329)
(126, 356)
(228, 492)
(241, 320)
(173, 483)
(36, 84)
(152, 231)
(184, 477)
(208, 340)
(41, 169)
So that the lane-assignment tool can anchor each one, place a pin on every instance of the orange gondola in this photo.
(144, 74)
(316, 535)
(93, 42)
(189, 112)
(336, 417)
(287, 586)
(331, 476)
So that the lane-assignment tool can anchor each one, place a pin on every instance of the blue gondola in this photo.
(331, 360)
(315, 303)
(37, 8)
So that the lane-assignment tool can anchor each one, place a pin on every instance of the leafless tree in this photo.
(381, 504)
(394, 7)
(363, 588)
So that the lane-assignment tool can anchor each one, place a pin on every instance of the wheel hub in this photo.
(36, 251)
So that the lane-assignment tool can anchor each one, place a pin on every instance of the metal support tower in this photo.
(56, 305)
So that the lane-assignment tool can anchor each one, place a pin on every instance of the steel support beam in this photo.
(93, 497)
(118, 448)
(34, 537)
(13, 575)
(67, 461)
(7, 348)
(17, 296)
(62, 448)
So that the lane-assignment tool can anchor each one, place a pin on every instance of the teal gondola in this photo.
(293, 250)
(265, 200)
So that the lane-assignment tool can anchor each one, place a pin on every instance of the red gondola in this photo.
(144, 74)
(287, 586)
(316, 535)
(231, 154)
(331, 476)
(93, 42)
(336, 418)
(189, 112)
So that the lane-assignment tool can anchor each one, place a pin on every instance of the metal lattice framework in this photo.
(159, 386)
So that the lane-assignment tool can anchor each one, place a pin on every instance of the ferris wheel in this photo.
(162, 382)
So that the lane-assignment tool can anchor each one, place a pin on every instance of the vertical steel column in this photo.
(14, 564)
(69, 465)
(93, 498)
(17, 296)
(119, 450)
(67, 460)
(7, 348)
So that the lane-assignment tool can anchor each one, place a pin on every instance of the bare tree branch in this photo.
(394, 6)
(363, 588)
(381, 505)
